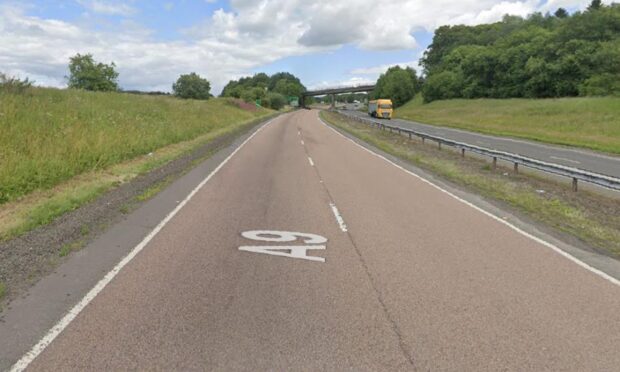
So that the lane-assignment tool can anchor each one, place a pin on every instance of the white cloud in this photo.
(552, 5)
(230, 43)
(497, 11)
(108, 7)
(378, 70)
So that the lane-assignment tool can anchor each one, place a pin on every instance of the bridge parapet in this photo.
(336, 90)
(339, 90)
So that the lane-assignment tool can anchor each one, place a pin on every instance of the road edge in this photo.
(603, 266)
(26, 322)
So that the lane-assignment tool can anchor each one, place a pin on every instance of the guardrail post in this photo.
(574, 184)
(516, 167)
(422, 139)
(439, 145)
(409, 135)
(462, 153)
(494, 162)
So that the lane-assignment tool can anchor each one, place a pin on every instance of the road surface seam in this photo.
(401, 342)
(551, 246)
(49, 337)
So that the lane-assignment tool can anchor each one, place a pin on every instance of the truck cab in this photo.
(380, 108)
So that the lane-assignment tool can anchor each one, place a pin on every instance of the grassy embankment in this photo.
(62, 148)
(592, 218)
(592, 123)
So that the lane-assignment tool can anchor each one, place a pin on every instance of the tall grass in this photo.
(48, 135)
(592, 122)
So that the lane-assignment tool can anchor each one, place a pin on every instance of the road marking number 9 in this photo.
(291, 251)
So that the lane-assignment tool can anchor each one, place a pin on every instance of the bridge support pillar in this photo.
(333, 105)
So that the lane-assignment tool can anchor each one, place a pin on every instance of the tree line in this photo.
(540, 56)
(551, 55)
(88, 74)
(271, 91)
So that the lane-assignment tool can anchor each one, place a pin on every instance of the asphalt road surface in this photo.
(384, 271)
(571, 157)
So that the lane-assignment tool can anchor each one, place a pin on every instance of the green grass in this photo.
(70, 247)
(27, 210)
(592, 123)
(583, 215)
(50, 135)
(153, 190)
(2, 290)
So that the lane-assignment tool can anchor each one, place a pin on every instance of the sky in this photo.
(323, 42)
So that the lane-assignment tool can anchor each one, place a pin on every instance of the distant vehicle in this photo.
(380, 108)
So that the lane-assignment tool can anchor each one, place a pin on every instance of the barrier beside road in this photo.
(575, 174)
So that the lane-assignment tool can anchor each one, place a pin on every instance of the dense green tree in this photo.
(595, 5)
(86, 73)
(288, 88)
(253, 94)
(260, 80)
(539, 56)
(561, 13)
(276, 100)
(192, 86)
(398, 84)
(443, 85)
(275, 78)
(260, 85)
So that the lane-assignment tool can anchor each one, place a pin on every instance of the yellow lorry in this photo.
(380, 108)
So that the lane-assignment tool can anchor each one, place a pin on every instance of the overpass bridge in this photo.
(335, 90)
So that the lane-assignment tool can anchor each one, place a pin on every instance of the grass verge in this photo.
(41, 206)
(153, 190)
(592, 122)
(591, 218)
(50, 136)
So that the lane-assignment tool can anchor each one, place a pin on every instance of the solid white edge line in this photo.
(25, 360)
(584, 265)
(302, 142)
(339, 219)
(565, 159)
(310, 161)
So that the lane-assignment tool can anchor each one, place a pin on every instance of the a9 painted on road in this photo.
(310, 241)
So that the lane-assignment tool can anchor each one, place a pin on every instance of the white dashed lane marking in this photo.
(339, 218)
